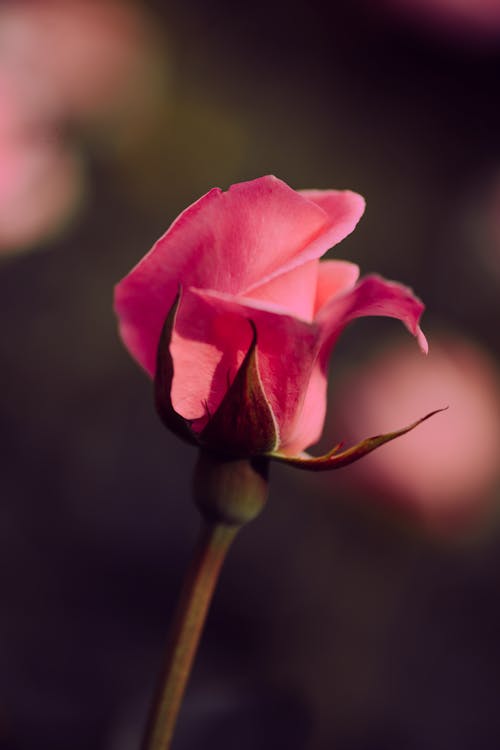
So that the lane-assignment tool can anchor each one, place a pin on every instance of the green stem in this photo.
(197, 591)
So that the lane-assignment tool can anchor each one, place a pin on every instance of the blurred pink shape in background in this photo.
(40, 178)
(446, 469)
(39, 189)
(491, 232)
(63, 61)
(478, 19)
(83, 57)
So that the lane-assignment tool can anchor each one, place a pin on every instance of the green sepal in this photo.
(163, 380)
(336, 458)
(244, 424)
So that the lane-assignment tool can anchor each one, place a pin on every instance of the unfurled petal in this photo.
(372, 296)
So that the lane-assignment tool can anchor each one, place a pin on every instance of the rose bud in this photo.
(235, 317)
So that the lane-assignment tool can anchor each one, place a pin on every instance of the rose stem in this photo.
(196, 594)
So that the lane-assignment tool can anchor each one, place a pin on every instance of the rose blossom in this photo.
(246, 262)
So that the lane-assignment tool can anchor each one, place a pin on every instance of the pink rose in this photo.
(242, 364)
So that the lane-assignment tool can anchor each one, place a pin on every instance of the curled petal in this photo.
(345, 302)
(372, 296)
(344, 208)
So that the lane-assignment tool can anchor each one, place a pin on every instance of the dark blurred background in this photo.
(353, 614)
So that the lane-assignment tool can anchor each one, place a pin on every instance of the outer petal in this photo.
(372, 296)
(334, 277)
(210, 339)
(230, 242)
(309, 421)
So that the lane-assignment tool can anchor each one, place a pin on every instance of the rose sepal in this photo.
(337, 458)
(243, 425)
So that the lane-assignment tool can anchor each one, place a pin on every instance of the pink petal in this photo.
(310, 419)
(372, 296)
(211, 337)
(295, 290)
(231, 242)
(343, 208)
(303, 290)
(334, 277)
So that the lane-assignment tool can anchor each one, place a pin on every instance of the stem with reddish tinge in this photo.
(196, 595)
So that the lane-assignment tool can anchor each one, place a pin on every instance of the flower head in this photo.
(235, 316)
